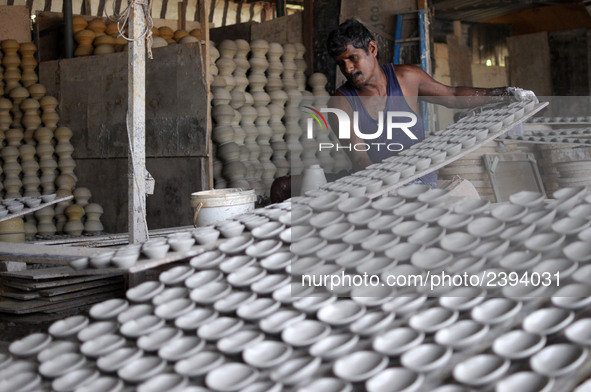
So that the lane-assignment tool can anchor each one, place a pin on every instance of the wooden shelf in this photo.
(27, 211)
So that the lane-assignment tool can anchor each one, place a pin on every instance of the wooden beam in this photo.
(182, 20)
(308, 34)
(280, 5)
(28, 210)
(204, 7)
(458, 29)
(68, 30)
(45, 253)
(546, 19)
(136, 109)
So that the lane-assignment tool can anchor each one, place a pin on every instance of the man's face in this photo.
(356, 64)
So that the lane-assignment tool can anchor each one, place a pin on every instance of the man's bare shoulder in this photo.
(410, 78)
(407, 71)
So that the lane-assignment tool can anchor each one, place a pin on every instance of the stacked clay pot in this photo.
(310, 145)
(36, 154)
(84, 39)
(10, 63)
(214, 54)
(228, 133)
(267, 138)
(163, 36)
(28, 64)
(330, 160)
(96, 36)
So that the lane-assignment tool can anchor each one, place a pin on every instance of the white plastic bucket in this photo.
(219, 204)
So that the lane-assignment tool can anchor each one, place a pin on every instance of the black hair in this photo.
(350, 32)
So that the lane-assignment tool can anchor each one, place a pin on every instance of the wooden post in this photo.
(68, 30)
(182, 11)
(136, 123)
(204, 6)
(308, 35)
(280, 5)
(458, 29)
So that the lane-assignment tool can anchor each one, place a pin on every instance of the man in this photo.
(371, 88)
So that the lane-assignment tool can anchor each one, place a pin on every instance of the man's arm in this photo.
(422, 84)
(359, 159)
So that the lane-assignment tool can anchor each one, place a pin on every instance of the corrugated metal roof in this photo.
(479, 10)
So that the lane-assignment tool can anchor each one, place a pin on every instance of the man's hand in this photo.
(521, 94)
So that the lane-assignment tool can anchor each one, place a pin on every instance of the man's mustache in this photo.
(353, 75)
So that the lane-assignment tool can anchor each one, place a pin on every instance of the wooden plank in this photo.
(45, 254)
(78, 288)
(136, 115)
(109, 239)
(143, 264)
(466, 162)
(462, 170)
(274, 30)
(204, 6)
(295, 28)
(457, 25)
(529, 67)
(171, 257)
(65, 297)
(378, 14)
(46, 273)
(28, 210)
(15, 23)
(19, 295)
(463, 153)
(37, 285)
(20, 307)
(235, 31)
(565, 141)
(481, 184)
(485, 76)
(469, 176)
(441, 72)
(182, 17)
(82, 303)
(460, 62)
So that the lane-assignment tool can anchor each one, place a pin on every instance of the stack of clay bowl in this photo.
(112, 31)
(157, 40)
(269, 104)
(96, 37)
(178, 34)
(12, 230)
(576, 173)
(163, 36)
(83, 36)
(28, 64)
(79, 23)
(167, 33)
(10, 63)
(562, 165)
(104, 44)
(37, 155)
(244, 312)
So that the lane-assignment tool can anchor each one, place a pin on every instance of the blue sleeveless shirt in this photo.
(395, 102)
